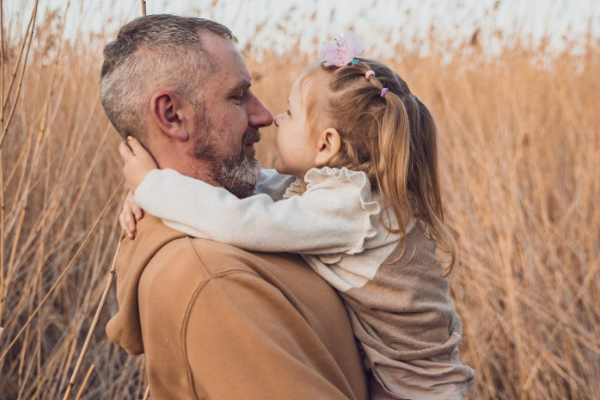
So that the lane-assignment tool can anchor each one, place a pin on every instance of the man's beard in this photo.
(239, 175)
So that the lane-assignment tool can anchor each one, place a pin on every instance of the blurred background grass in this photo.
(519, 121)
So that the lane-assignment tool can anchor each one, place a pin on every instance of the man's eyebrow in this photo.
(240, 87)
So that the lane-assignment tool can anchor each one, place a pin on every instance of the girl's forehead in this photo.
(295, 97)
(312, 80)
(314, 75)
(298, 92)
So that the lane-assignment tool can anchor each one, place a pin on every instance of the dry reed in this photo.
(520, 158)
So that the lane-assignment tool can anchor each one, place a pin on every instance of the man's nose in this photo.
(258, 115)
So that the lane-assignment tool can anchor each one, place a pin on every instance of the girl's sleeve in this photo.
(273, 184)
(333, 215)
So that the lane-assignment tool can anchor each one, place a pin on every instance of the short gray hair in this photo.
(149, 53)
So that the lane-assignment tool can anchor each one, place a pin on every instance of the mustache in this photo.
(251, 136)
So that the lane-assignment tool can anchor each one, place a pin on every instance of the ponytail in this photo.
(389, 134)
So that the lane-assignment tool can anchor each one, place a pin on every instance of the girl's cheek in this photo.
(278, 139)
(280, 133)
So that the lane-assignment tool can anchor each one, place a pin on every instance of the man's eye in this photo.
(238, 98)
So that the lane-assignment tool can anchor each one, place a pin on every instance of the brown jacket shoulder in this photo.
(217, 322)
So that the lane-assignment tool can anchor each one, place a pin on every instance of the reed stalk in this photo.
(2, 190)
(28, 38)
(109, 282)
(84, 383)
(64, 272)
(5, 126)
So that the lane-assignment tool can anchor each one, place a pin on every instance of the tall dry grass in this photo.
(520, 163)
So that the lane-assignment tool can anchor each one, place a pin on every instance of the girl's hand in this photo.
(130, 216)
(138, 162)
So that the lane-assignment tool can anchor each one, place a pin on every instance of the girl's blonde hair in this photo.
(391, 138)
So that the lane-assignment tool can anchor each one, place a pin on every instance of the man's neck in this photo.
(198, 170)
(180, 157)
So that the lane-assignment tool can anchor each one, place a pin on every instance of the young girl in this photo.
(365, 212)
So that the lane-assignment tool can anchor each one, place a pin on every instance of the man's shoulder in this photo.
(177, 266)
(182, 264)
(179, 272)
(162, 247)
(196, 296)
(189, 257)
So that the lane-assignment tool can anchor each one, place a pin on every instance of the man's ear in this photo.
(167, 110)
(329, 144)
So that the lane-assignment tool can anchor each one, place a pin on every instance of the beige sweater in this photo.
(399, 306)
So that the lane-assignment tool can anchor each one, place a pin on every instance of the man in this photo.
(214, 321)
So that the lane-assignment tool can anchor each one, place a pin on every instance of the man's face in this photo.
(227, 123)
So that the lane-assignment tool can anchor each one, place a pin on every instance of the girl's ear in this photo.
(169, 113)
(329, 144)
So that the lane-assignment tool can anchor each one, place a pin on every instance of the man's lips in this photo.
(250, 150)
(250, 138)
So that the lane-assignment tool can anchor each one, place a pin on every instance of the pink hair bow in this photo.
(342, 50)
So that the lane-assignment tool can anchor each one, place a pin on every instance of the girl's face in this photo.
(297, 151)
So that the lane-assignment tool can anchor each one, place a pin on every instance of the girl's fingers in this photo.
(125, 152)
(135, 209)
(141, 153)
(124, 226)
(138, 212)
(129, 218)
(137, 148)
(129, 199)
(122, 223)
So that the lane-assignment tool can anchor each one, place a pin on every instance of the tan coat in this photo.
(217, 322)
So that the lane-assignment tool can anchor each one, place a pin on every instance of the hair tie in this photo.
(343, 51)
(384, 91)
(415, 96)
(370, 73)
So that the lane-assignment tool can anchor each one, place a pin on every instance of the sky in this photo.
(382, 23)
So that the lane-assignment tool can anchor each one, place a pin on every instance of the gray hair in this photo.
(149, 53)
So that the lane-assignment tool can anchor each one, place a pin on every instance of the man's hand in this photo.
(138, 162)
(130, 216)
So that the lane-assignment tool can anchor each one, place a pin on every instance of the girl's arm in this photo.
(327, 219)
(273, 184)
(138, 162)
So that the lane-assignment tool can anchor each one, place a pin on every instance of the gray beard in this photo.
(239, 175)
